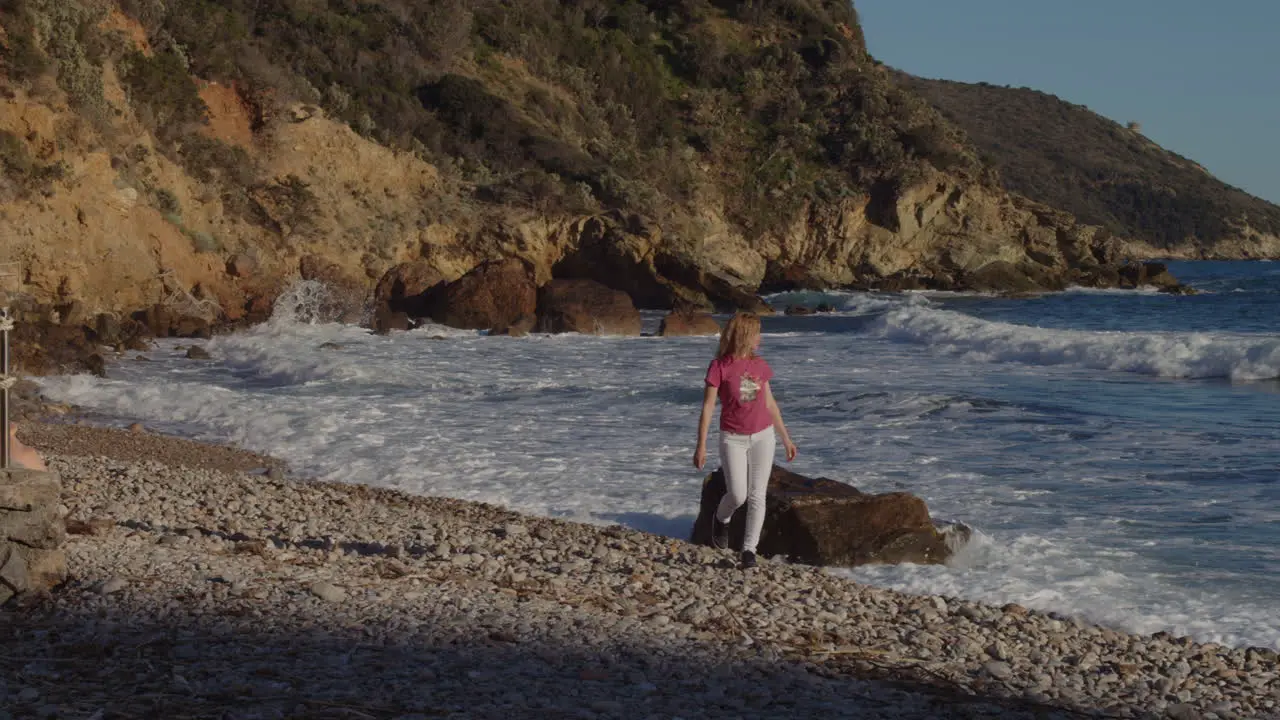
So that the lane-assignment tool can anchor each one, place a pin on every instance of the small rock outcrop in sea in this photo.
(494, 294)
(1151, 274)
(684, 322)
(32, 530)
(586, 306)
(818, 521)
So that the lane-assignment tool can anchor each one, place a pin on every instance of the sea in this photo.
(1117, 453)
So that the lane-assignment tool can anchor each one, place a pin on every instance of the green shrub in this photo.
(23, 60)
(203, 242)
(161, 86)
(166, 202)
(27, 176)
(637, 105)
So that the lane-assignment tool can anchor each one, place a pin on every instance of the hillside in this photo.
(689, 152)
(1104, 173)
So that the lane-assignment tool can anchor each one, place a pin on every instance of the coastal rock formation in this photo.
(1065, 155)
(385, 321)
(408, 288)
(683, 322)
(251, 187)
(1149, 274)
(522, 326)
(32, 530)
(819, 521)
(586, 306)
(494, 294)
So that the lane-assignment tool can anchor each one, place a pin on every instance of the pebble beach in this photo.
(208, 584)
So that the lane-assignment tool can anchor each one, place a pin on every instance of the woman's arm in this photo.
(778, 425)
(704, 425)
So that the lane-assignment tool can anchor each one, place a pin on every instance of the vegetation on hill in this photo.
(577, 106)
(1104, 173)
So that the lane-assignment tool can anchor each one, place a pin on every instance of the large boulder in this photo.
(586, 306)
(1152, 274)
(682, 323)
(495, 294)
(819, 521)
(32, 531)
(408, 288)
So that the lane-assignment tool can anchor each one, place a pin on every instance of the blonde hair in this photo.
(739, 335)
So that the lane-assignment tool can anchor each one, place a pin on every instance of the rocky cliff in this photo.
(191, 154)
(1105, 173)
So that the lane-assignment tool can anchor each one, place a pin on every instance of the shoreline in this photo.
(182, 536)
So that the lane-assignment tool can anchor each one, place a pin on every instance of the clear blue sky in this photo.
(1203, 78)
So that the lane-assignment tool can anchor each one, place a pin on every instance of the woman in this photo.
(749, 419)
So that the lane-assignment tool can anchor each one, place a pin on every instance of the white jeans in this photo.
(747, 462)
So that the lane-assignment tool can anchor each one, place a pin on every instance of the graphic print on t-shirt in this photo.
(748, 388)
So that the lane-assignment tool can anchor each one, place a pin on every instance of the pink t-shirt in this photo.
(740, 382)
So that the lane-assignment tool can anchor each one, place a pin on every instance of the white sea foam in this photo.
(1087, 493)
(1172, 354)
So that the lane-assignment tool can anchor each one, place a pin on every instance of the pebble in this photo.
(998, 670)
(328, 592)
(486, 613)
(112, 585)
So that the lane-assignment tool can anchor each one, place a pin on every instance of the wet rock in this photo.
(1003, 276)
(195, 352)
(258, 308)
(522, 326)
(493, 295)
(158, 320)
(96, 365)
(586, 306)
(386, 320)
(408, 288)
(190, 326)
(683, 323)
(107, 329)
(819, 521)
(1151, 274)
(39, 346)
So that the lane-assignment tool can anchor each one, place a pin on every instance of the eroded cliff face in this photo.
(124, 227)
(328, 192)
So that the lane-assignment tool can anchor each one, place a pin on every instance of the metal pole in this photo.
(4, 388)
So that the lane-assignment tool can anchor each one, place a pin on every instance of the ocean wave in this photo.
(1172, 355)
(847, 302)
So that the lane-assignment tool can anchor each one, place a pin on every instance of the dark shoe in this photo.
(719, 533)
(748, 559)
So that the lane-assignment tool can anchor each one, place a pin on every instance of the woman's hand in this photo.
(790, 448)
(700, 456)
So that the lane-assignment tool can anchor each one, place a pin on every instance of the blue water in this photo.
(1118, 452)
